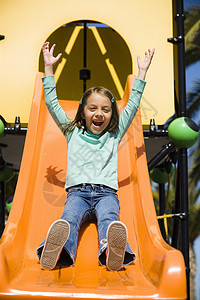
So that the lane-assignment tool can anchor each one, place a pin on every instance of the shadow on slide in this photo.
(158, 271)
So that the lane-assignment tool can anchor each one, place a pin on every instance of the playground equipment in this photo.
(183, 132)
(1, 128)
(150, 271)
(160, 175)
(180, 238)
(158, 271)
(36, 21)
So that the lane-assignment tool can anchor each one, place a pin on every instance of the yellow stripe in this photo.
(73, 39)
(98, 39)
(59, 69)
(68, 49)
(115, 78)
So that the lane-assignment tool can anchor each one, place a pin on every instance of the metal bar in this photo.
(162, 209)
(84, 53)
(177, 207)
(185, 209)
(2, 208)
(180, 17)
(155, 160)
(158, 133)
(12, 130)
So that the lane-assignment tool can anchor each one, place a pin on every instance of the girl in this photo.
(93, 138)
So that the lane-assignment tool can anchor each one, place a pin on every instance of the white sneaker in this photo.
(117, 239)
(57, 236)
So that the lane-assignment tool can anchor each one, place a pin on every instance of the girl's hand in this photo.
(144, 65)
(49, 59)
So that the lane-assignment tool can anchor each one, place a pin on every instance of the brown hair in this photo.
(79, 121)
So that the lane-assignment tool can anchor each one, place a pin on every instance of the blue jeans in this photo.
(89, 202)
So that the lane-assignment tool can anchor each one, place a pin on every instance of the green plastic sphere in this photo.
(160, 176)
(1, 128)
(8, 206)
(9, 203)
(183, 132)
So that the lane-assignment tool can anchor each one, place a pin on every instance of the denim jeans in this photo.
(89, 202)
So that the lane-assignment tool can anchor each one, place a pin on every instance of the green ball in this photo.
(160, 175)
(183, 132)
(8, 206)
(1, 128)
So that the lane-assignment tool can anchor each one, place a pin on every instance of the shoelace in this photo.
(103, 242)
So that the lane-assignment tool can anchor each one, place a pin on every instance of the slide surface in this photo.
(158, 271)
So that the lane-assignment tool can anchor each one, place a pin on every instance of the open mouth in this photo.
(97, 123)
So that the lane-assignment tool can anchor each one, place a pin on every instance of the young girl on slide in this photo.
(93, 138)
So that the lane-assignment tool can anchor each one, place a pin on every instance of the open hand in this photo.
(144, 65)
(49, 59)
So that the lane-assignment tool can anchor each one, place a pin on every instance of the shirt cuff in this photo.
(48, 81)
(139, 85)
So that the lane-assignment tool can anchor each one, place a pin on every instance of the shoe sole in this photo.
(117, 239)
(57, 236)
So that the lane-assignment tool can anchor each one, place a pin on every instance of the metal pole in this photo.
(180, 17)
(182, 159)
(84, 53)
(177, 209)
(84, 73)
(161, 155)
(162, 209)
(2, 208)
(185, 209)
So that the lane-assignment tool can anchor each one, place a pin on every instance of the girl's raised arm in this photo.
(131, 108)
(52, 104)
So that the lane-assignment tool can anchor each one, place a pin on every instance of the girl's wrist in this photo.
(141, 74)
(48, 69)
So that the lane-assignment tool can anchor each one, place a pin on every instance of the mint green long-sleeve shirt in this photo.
(92, 158)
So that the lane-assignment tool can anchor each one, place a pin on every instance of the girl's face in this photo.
(97, 113)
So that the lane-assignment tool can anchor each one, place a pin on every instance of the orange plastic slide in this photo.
(158, 271)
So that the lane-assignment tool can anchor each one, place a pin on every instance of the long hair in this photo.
(79, 121)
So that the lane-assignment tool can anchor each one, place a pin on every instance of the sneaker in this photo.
(117, 239)
(57, 236)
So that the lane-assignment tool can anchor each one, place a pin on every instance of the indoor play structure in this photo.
(160, 271)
